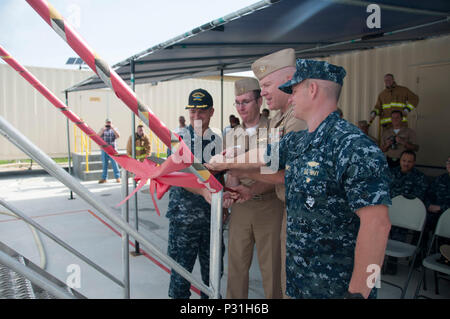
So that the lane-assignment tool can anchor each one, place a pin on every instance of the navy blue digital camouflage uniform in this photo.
(412, 184)
(439, 192)
(189, 227)
(329, 175)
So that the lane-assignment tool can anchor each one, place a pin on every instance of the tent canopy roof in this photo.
(314, 28)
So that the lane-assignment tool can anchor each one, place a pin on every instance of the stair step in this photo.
(95, 166)
(17, 286)
(96, 175)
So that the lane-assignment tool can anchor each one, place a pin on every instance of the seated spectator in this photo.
(408, 180)
(397, 139)
(437, 200)
(438, 195)
(411, 183)
(364, 126)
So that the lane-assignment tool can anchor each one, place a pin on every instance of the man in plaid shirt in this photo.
(109, 134)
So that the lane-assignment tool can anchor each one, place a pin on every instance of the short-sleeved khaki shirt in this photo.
(285, 122)
(240, 138)
(406, 133)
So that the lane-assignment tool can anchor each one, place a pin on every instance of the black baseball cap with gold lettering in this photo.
(199, 99)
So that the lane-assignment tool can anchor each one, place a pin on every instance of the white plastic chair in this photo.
(431, 261)
(409, 214)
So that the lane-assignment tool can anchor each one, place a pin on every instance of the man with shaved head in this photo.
(337, 191)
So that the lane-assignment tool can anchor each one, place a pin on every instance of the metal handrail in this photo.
(85, 145)
(161, 149)
(43, 230)
(55, 170)
(34, 277)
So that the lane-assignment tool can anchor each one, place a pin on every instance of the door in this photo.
(432, 117)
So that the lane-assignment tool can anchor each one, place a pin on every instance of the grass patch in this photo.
(2, 162)
(60, 159)
(28, 161)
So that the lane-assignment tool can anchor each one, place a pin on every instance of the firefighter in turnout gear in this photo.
(142, 144)
(393, 98)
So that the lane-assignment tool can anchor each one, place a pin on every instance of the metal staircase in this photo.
(20, 278)
(14, 285)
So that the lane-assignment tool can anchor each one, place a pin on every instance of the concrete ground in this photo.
(46, 200)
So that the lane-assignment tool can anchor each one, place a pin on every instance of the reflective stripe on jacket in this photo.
(396, 98)
(142, 147)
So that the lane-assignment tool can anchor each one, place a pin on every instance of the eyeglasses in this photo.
(243, 103)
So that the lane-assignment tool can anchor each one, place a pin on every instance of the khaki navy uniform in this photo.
(256, 221)
(395, 151)
(285, 123)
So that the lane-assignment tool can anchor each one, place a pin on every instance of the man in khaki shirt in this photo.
(397, 139)
(256, 221)
(272, 71)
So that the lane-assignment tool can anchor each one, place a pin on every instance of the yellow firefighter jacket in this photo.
(142, 147)
(396, 98)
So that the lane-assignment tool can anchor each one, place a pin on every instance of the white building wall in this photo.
(27, 110)
(167, 100)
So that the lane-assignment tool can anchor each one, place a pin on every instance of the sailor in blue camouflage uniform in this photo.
(411, 183)
(189, 212)
(408, 180)
(337, 184)
(337, 191)
(437, 200)
(438, 195)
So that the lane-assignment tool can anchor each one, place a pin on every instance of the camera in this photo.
(394, 142)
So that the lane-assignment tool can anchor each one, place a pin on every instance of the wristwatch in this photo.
(349, 295)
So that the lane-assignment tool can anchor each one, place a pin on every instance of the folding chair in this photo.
(409, 214)
(431, 261)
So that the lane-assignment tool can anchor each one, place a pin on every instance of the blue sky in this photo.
(115, 29)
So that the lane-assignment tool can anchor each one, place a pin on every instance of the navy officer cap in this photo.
(313, 69)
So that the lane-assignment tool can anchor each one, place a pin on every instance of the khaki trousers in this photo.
(255, 222)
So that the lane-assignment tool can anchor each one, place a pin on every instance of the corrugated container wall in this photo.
(29, 112)
(423, 67)
(45, 126)
(166, 99)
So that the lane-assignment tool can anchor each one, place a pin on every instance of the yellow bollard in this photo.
(75, 137)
